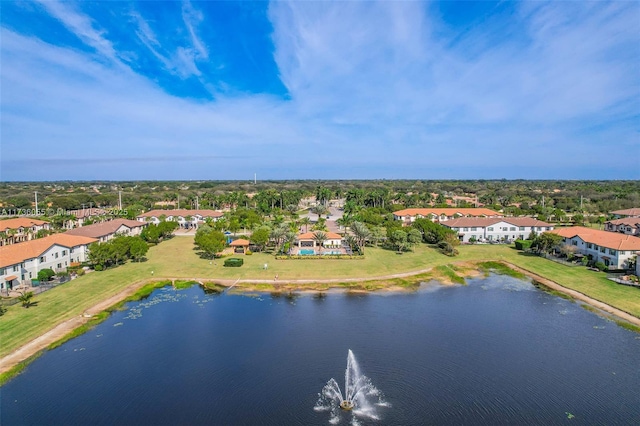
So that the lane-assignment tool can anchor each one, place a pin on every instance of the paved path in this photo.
(66, 327)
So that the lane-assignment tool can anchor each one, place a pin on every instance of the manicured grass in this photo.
(176, 258)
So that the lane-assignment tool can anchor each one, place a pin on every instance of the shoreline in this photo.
(33, 348)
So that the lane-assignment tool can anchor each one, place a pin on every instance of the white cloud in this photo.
(374, 86)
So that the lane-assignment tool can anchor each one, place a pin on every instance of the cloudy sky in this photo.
(223, 90)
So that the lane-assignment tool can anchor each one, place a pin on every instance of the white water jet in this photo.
(360, 396)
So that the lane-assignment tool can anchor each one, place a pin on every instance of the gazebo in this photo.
(240, 245)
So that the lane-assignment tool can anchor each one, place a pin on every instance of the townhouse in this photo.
(407, 216)
(185, 218)
(615, 250)
(20, 263)
(20, 229)
(626, 225)
(634, 212)
(105, 231)
(496, 229)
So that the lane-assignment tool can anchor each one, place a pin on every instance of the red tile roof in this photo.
(628, 212)
(311, 235)
(182, 212)
(467, 211)
(488, 221)
(16, 253)
(612, 240)
(102, 229)
(630, 221)
(239, 243)
(18, 222)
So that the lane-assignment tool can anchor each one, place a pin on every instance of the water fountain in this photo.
(360, 396)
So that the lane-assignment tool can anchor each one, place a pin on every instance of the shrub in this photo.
(523, 244)
(248, 252)
(98, 268)
(45, 274)
(233, 262)
(601, 266)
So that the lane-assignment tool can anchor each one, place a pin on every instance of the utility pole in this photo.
(37, 203)
(120, 200)
(178, 201)
(543, 201)
(255, 178)
(197, 203)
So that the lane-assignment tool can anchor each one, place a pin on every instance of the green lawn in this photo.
(176, 258)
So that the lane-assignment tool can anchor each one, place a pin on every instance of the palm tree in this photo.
(320, 237)
(361, 234)
(319, 210)
(305, 221)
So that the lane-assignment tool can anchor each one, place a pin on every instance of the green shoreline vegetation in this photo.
(176, 258)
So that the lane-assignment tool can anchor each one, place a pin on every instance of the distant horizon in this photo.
(308, 90)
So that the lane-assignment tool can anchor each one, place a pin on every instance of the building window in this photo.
(465, 229)
(622, 252)
(474, 228)
(613, 252)
(603, 250)
(490, 228)
(522, 228)
(42, 259)
(59, 266)
(513, 228)
(575, 243)
(15, 268)
(64, 252)
(55, 255)
(2, 271)
(71, 251)
(589, 245)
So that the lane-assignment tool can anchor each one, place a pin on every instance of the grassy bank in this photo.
(176, 258)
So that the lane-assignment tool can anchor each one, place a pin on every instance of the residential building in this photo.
(308, 240)
(185, 218)
(626, 225)
(634, 212)
(615, 250)
(496, 229)
(20, 229)
(82, 216)
(442, 214)
(105, 231)
(20, 263)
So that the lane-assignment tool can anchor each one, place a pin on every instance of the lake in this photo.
(496, 351)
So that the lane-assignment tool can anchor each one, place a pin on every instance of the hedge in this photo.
(234, 262)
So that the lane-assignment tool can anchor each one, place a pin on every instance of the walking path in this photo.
(66, 327)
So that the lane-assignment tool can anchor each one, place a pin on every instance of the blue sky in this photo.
(332, 90)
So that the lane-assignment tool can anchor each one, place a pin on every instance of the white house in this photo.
(496, 229)
(308, 240)
(626, 225)
(105, 231)
(185, 218)
(613, 249)
(442, 214)
(20, 263)
(21, 229)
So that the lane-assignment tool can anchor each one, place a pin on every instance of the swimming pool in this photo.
(306, 251)
(332, 252)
